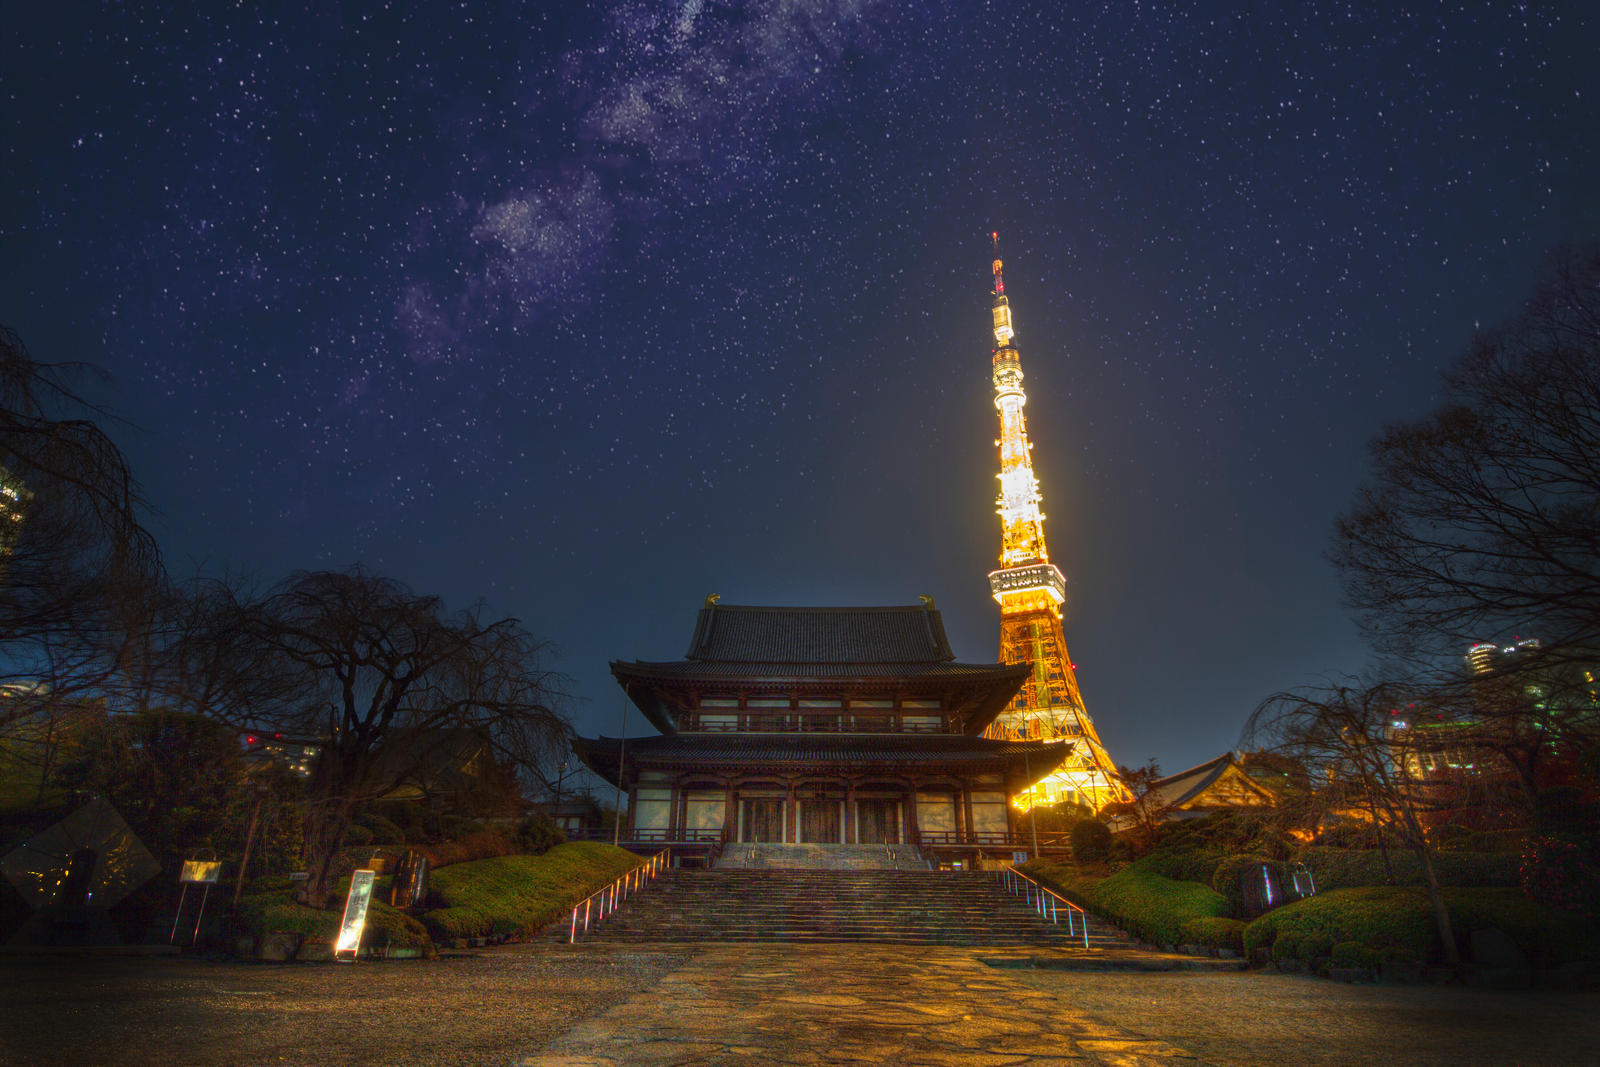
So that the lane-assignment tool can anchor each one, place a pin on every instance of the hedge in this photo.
(516, 895)
(1339, 868)
(1183, 864)
(1375, 922)
(1149, 906)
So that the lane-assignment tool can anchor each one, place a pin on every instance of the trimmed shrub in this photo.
(1374, 916)
(1339, 868)
(1187, 864)
(1213, 931)
(1091, 840)
(1354, 954)
(1154, 908)
(1396, 922)
(518, 894)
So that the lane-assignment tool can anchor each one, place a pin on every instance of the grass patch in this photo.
(516, 895)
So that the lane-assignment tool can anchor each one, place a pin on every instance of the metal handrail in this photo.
(611, 897)
(1046, 901)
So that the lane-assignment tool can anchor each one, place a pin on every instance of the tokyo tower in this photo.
(1030, 590)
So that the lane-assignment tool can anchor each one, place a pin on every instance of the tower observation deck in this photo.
(1030, 591)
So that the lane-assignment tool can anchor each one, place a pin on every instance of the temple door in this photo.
(763, 819)
(878, 822)
(819, 821)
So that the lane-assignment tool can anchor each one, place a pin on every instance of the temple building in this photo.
(822, 726)
(1030, 591)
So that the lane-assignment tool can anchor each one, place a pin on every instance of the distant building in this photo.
(1219, 784)
(14, 501)
(295, 755)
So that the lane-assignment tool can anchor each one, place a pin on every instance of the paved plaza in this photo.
(547, 1005)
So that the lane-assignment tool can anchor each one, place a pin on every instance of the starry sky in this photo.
(589, 310)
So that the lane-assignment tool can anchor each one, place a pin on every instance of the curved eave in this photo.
(984, 688)
(1021, 762)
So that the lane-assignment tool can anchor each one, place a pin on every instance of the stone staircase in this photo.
(904, 907)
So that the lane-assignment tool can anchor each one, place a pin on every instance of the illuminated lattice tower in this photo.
(1031, 590)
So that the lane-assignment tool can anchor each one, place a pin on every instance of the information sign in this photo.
(355, 913)
(201, 871)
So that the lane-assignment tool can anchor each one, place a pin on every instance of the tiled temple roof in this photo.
(735, 633)
(822, 651)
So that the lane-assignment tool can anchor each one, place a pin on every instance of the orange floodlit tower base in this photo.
(1030, 590)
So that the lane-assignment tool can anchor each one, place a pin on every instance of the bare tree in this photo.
(1483, 519)
(1360, 759)
(1145, 807)
(381, 670)
(75, 562)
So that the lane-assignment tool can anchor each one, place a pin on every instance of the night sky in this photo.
(591, 310)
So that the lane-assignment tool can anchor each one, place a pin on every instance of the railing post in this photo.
(586, 915)
(572, 937)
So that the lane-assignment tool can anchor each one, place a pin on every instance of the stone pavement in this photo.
(827, 1004)
(756, 1003)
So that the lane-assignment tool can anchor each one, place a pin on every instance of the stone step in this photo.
(766, 856)
(821, 905)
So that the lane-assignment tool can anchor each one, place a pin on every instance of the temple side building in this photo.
(823, 726)
(1030, 591)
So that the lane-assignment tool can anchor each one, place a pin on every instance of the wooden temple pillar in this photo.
(730, 815)
(850, 819)
(791, 812)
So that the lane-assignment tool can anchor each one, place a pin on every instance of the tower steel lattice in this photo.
(1030, 590)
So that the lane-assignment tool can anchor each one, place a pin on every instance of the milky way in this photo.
(590, 310)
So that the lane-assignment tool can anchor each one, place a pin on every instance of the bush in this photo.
(1354, 954)
(1213, 931)
(1183, 864)
(518, 894)
(484, 844)
(454, 827)
(1396, 922)
(1547, 935)
(1374, 916)
(1091, 840)
(1154, 908)
(538, 834)
(1561, 872)
(1339, 868)
(276, 912)
(418, 822)
(383, 832)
